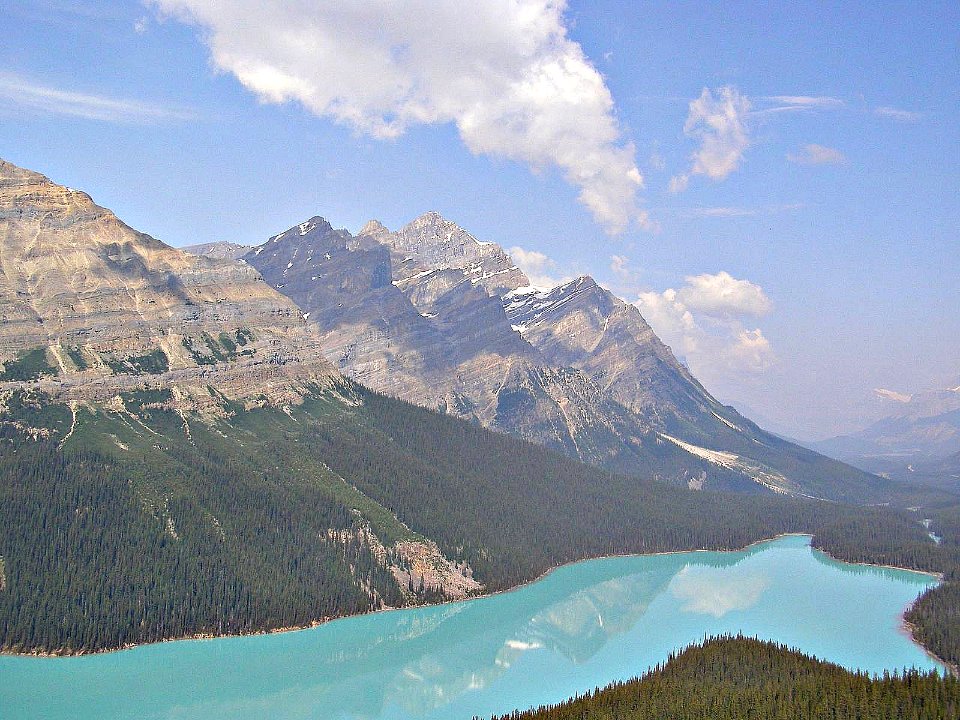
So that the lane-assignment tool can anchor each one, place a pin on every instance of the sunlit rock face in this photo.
(432, 242)
(582, 325)
(94, 305)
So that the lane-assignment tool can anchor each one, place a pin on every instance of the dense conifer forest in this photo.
(135, 524)
(738, 678)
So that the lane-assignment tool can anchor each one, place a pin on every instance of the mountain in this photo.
(434, 316)
(177, 457)
(914, 442)
(220, 250)
(89, 306)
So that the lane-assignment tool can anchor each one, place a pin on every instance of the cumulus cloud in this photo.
(504, 72)
(724, 296)
(18, 92)
(814, 154)
(540, 269)
(704, 323)
(718, 120)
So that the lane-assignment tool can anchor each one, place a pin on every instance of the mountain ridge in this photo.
(179, 458)
(446, 321)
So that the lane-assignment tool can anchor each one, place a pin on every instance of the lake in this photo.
(581, 626)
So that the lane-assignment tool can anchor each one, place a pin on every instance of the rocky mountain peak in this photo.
(431, 242)
(315, 225)
(432, 234)
(374, 229)
(24, 193)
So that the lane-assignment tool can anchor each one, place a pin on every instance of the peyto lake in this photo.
(581, 626)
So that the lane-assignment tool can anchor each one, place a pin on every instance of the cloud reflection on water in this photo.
(708, 591)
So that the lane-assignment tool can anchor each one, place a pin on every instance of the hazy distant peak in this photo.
(434, 223)
(374, 229)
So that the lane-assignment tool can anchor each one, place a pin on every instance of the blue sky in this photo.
(795, 238)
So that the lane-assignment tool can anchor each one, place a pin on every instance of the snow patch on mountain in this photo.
(885, 394)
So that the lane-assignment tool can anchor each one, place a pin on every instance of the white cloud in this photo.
(672, 321)
(704, 320)
(722, 295)
(620, 267)
(738, 212)
(724, 212)
(504, 72)
(788, 103)
(718, 121)
(18, 92)
(657, 161)
(897, 114)
(626, 278)
(538, 267)
(750, 351)
(814, 154)
(679, 183)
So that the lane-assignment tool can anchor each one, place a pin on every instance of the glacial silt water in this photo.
(582, 626)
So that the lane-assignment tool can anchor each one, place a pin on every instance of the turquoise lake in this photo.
(582, 626)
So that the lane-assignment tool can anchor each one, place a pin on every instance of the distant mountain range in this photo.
(433, 315)
(919, 440)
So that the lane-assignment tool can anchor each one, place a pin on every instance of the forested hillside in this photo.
(737, 678)
(137, 522)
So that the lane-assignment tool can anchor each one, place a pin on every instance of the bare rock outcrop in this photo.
(89, 306)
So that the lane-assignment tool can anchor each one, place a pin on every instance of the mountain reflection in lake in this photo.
(583, 625)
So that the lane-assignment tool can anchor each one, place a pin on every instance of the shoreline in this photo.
(907, 628)
(904, 627)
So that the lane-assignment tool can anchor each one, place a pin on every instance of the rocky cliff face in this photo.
(437, 337)
(432, 242)
(89, 305)
(432, 315)
(582, 325)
